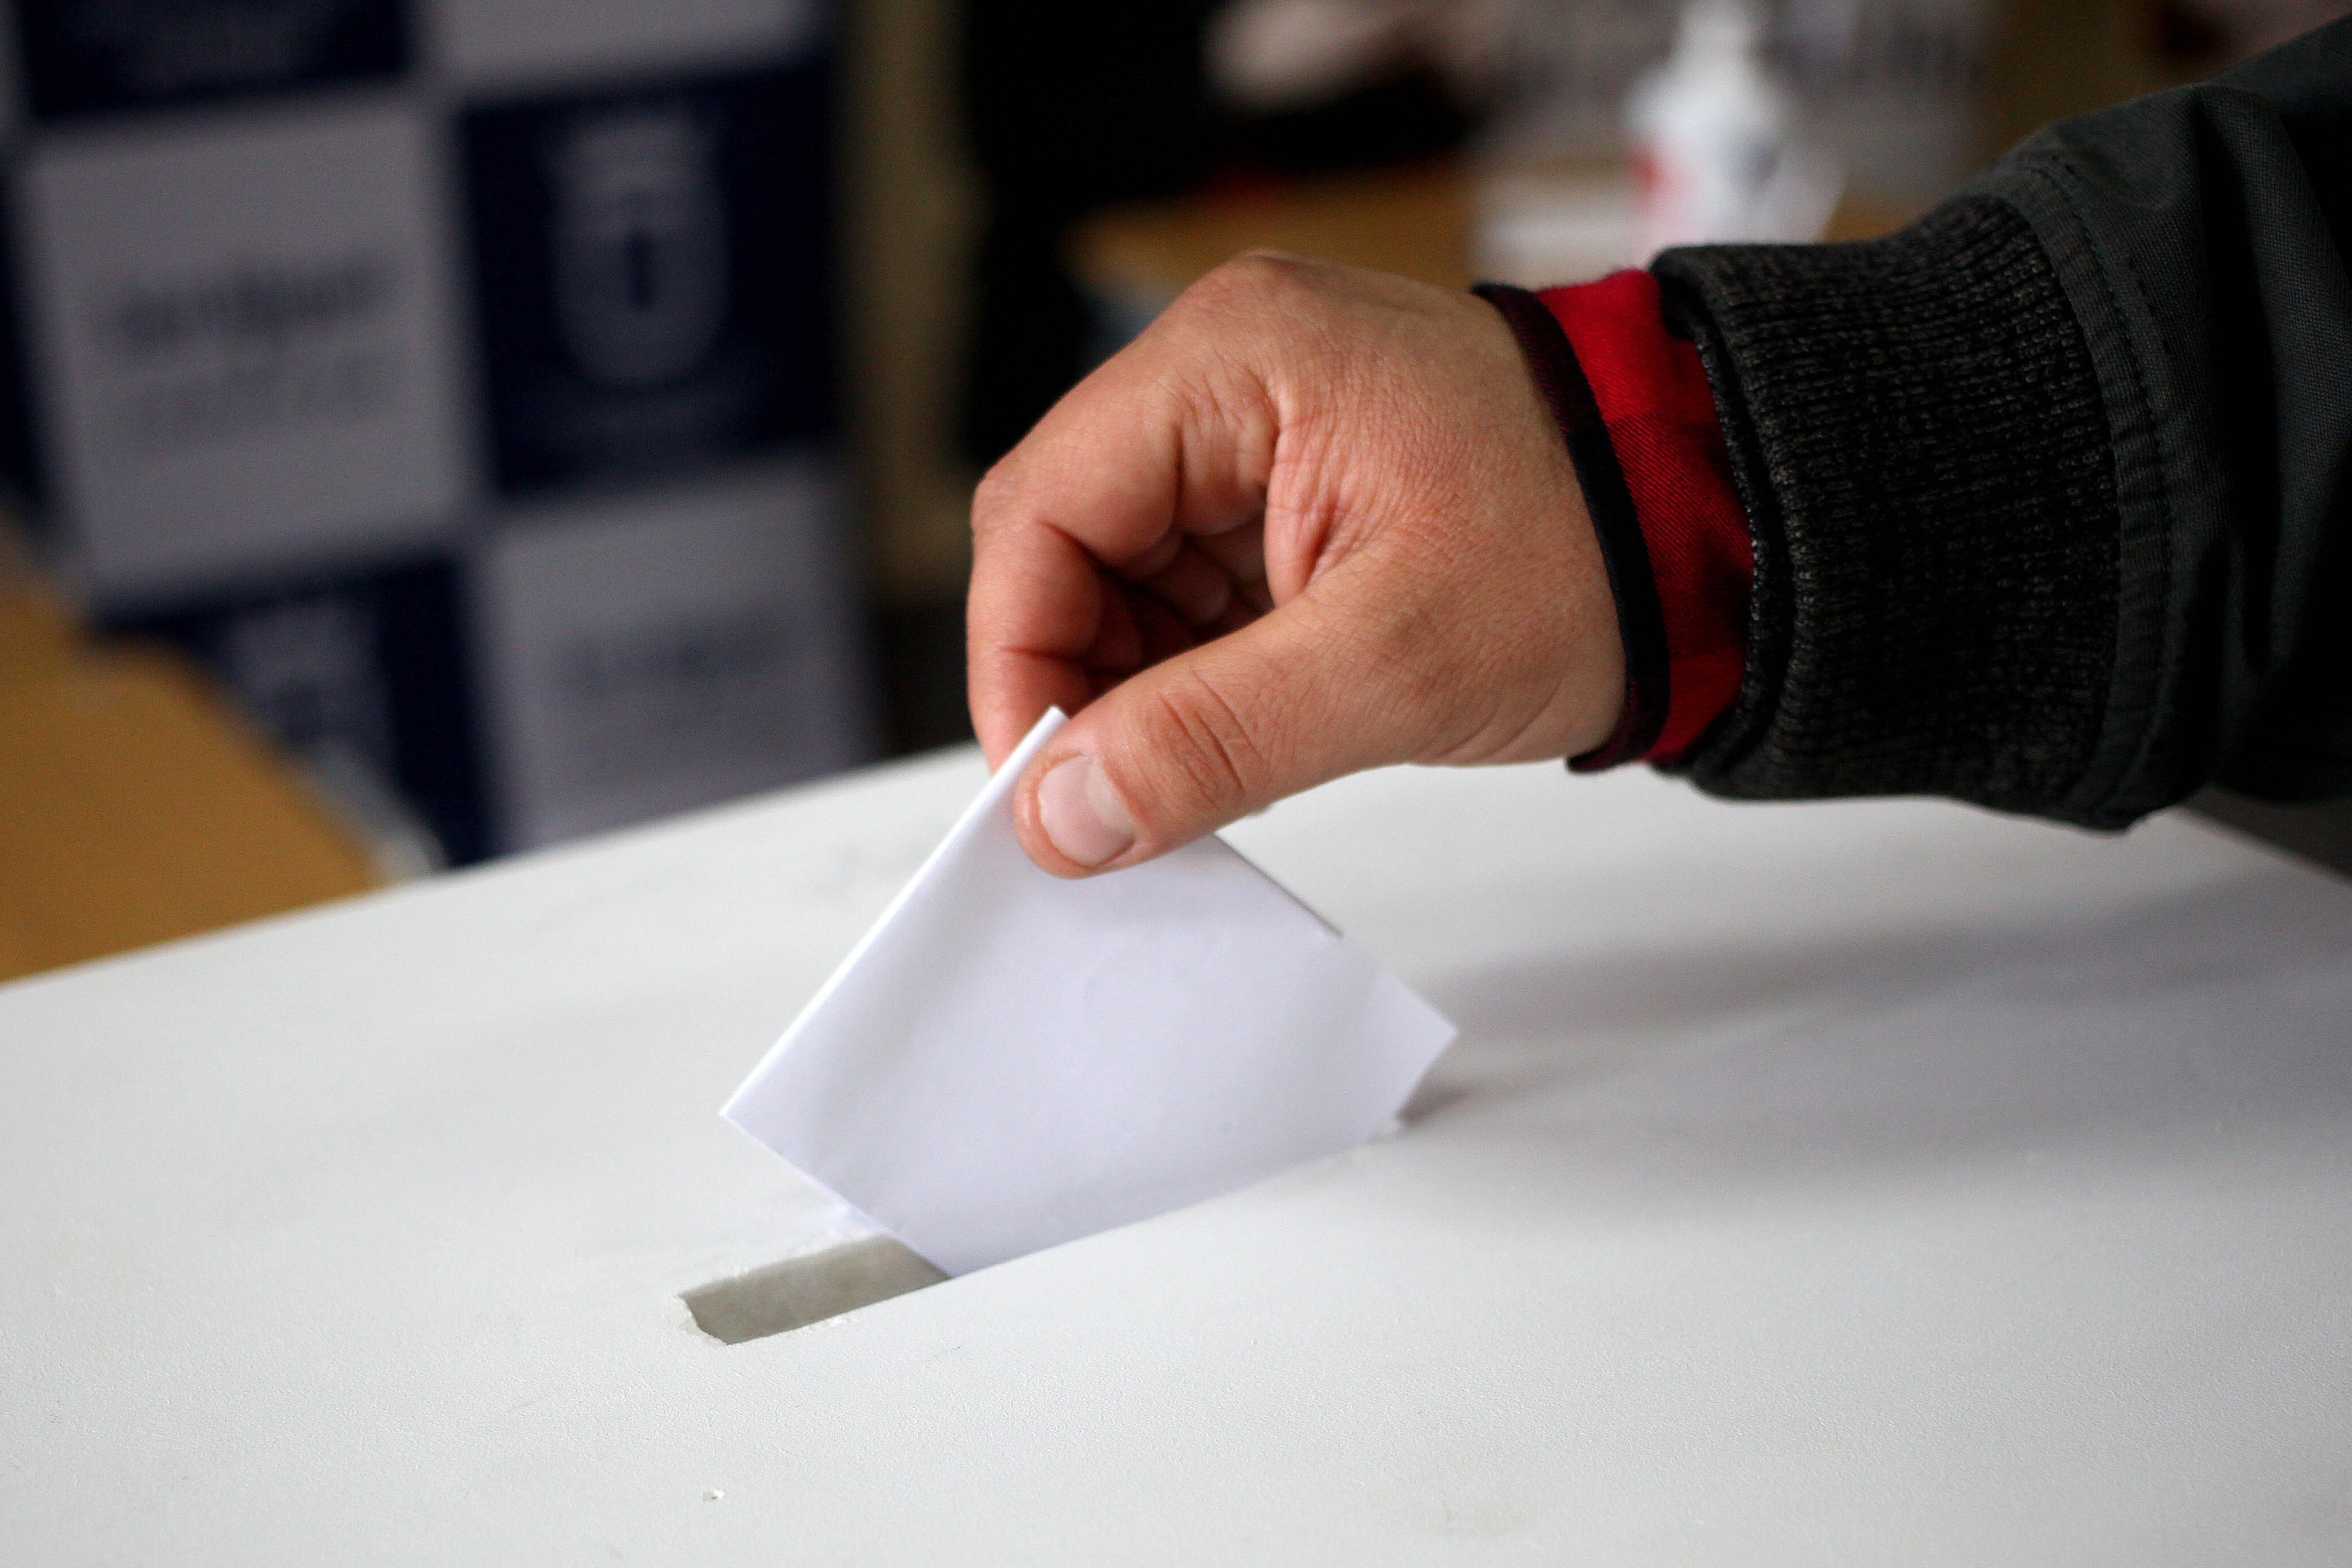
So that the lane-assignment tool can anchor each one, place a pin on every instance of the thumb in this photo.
(1205, 738)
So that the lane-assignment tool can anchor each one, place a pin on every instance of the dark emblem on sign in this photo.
(651, 276)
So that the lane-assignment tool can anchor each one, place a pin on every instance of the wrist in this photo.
(1608, 510)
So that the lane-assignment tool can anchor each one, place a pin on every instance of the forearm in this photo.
(2047, 493)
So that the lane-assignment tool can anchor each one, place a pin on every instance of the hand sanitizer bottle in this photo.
(1717, 156)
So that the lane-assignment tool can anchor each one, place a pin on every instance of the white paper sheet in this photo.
(1008, 1060)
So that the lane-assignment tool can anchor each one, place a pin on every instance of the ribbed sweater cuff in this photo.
(1921, 448)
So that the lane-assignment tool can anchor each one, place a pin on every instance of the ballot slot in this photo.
(798, 1291)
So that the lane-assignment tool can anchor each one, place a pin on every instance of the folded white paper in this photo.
(1008, 1060)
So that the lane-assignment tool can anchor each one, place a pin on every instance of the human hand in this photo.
(1315, 519)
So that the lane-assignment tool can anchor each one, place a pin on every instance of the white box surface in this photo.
(1868, 1183)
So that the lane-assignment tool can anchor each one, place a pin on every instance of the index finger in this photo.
(1171, 436)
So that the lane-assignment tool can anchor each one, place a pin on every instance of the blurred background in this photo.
(435, 429)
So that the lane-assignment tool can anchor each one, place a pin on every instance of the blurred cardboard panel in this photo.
(100, 56)
(134, 809)
(652, 268)
(506, 43)
(232, 385)
(644, 654)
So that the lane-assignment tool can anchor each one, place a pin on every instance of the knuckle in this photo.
(1257, 281)
(1272, 268)
(994, 495)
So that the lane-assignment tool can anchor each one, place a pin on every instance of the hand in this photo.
(1314, 520)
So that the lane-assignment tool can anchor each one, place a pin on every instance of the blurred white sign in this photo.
(523, 42)
(235, 385)
(643, 655)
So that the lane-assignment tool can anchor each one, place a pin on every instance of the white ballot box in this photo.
(1862, 1182)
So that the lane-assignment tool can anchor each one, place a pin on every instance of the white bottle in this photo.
(1718, 152)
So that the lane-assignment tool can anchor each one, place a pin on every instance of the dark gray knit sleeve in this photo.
(2050, 493)
(1917, 433)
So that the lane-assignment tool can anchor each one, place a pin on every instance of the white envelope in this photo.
(1008, 1060)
